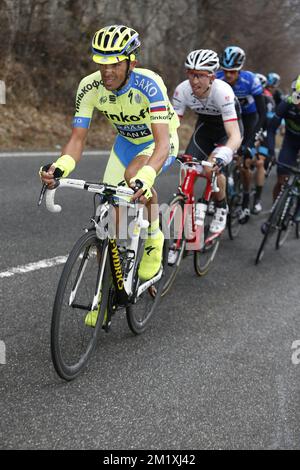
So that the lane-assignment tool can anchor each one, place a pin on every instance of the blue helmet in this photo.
(232, 58)
(273, 79)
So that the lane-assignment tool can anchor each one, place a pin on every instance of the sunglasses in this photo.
(198, 75)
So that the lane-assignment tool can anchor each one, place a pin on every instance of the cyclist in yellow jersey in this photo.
(136, 103)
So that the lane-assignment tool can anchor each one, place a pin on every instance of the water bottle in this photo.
(201, 209)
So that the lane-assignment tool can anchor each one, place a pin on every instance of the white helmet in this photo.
(202, 59)
(262, 78)
(296, 90)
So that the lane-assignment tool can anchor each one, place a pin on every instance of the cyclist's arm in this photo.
(75, 145)
(261, 110)
(273, 125)
(162, 145)
(74, 148)
(223, 154)
(234, 135)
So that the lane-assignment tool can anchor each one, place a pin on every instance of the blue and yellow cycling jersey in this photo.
(246, 87)
(141, 102)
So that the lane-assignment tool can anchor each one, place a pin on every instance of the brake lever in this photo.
(42, 194)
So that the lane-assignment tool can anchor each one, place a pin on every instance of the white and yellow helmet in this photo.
(296, 90)
(115, 43)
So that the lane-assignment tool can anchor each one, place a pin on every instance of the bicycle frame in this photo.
(126, 285)
(192, 170)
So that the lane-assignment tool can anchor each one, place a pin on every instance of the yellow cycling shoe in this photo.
(152, 256)
(92, 316)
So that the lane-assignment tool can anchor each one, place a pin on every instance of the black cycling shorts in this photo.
(206, 137)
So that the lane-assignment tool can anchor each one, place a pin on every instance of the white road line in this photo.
(44, 263)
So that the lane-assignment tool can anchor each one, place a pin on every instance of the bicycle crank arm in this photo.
(149, 283)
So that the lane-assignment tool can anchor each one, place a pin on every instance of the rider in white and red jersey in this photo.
(217, 133)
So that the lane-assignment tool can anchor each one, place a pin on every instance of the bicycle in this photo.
(186, 234)
(100, 276)
(284, 209)
(234, 196)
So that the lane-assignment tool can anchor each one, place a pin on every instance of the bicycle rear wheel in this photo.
(176, 241)
(72, 342)
(139, 314)
(204, 257)
(234, 198)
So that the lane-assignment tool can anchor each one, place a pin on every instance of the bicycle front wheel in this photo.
(139, 314)
(72, 341)
(234, 190)
(233, 225)
(204, 257)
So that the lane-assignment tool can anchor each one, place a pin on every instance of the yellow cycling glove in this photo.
(65, 164)
(147, 176)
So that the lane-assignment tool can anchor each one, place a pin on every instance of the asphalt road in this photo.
(215, 370)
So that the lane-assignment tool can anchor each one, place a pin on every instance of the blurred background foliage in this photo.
(45, 49)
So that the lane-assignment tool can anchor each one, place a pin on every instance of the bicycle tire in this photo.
(271, 224)
(287, 223)
(139, 315)
(172, 270)
(204, 257)
(233, 224)
(234, 195)
(68, 329)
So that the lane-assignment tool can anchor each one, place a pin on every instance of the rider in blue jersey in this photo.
(262, 158)
(249, 92)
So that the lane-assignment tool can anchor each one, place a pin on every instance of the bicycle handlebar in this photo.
(100, 188)
(192, 160)
(183, 160)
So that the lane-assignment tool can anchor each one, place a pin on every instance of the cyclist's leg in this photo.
(288, 155)
(249, 122)
(203, 142)
(259, 182)
(262, 162)
(113, 174)
(209, 140)
(152, 256)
